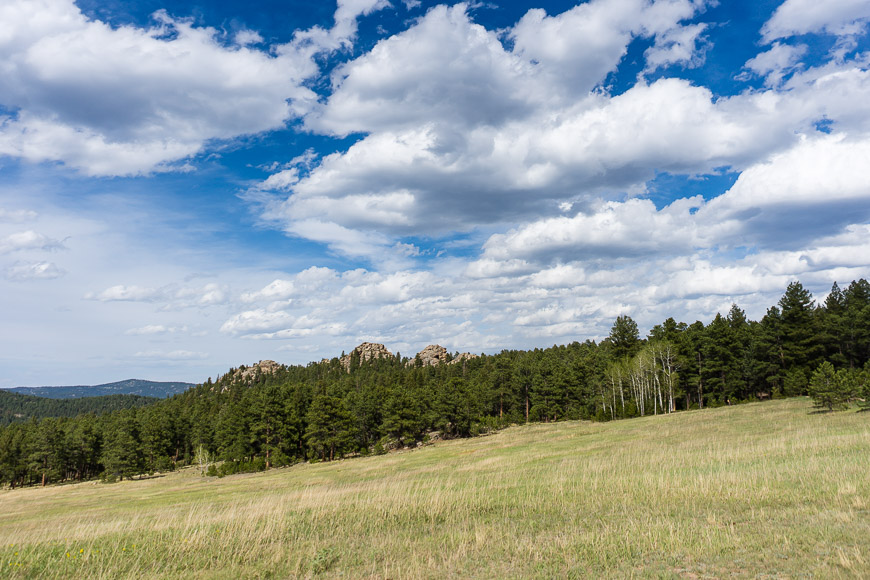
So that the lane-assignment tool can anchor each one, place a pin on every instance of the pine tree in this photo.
(857, 315)
(833, 329)
(83, 446)
(13, 467)
(122, 452)
(454, 408)
(232, 432)
(800, 345)
(831, 389)
(624, 337)
(155, 432)
(46, 450)
(402, 417)
(330, 431)
(719, 360)
(772, 361)
(693, 344)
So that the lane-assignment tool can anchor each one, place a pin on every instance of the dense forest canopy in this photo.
(17, 407)
(263, 416)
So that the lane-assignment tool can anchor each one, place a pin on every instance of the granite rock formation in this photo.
(367, 351)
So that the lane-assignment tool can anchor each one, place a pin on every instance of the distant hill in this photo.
(17, 407)
(161, 390)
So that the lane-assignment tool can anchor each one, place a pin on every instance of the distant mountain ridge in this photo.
(161, 390)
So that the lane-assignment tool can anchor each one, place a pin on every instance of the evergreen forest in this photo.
(15, 407)
(255, 420)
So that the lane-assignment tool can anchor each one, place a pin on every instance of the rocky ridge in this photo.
(432, 355)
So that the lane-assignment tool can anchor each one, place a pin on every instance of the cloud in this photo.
(448, 69)
(677, 46)
(259, 320)
(28, 240)
(341, 36)
(574, 51)
(616, 230)
(155, 329)
(208, 295)
(125, 293)
(175, 355)
(839, 17)
(816, 188)
(247, 37)
(434, 179)
(277, 290)
(23, 271)
(445, 65)
(442, 155)
(817, 171)
(777, 62)
(128, 101)
(16, 216)
(170, 296)
(347, 13)
(795, 198)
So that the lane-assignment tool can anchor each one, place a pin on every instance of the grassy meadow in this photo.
(768, 490)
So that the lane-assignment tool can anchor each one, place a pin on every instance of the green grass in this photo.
(754, 491)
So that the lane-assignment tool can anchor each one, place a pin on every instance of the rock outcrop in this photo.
(432, 355)
(435, 354)
(264, 367)
(367, 351)
(245, 374)
(463, 357)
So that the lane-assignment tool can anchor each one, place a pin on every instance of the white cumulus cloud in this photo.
(841, 17)
(23, 271)
(127, 100)
(28, 240)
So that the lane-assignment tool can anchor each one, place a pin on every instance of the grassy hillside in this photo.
(758, 490)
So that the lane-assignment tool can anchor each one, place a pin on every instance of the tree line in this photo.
(256, 420)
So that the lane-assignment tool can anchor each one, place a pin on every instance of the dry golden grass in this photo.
(764, 490)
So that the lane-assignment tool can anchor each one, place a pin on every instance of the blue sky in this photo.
(190, 186)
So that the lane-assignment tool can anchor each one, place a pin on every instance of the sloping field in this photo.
(764, 490)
